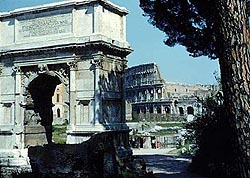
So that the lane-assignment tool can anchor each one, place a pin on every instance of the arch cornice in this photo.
(99, 45)
(62, 5)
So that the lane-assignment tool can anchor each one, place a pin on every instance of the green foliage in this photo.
(7, 176)
(136, 118)
(191, 23)
(130, 174)
(211, 28)
(212, 136)
(126, 174)
(184, 150)
(59, 134)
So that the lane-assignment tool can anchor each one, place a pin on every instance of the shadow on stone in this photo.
(98, 157)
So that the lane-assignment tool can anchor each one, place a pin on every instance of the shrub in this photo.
(212, 136)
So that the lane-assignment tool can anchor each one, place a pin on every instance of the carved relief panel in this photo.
(43, 25)
(83, 112)
(111, 111)
(111, 81)
(31, 118)
(7, 114)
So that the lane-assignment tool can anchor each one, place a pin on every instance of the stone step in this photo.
(13, 153)
(12, 162)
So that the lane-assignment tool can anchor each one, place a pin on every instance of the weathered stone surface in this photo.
(97, 157)
(73, 48)
(44, 26)
(34, 135)
(72, 44)
(14, 161)
(72, 22)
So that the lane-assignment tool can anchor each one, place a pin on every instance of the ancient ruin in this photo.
(157, 110)
(78, 44)
(148, 95)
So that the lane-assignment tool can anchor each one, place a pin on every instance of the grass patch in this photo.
(59, 134)
(174, 152)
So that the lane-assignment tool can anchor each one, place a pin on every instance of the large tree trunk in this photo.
(235, 75)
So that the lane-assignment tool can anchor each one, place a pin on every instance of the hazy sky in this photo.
(147, 42)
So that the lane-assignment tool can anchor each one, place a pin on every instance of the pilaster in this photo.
(1, 71)
(19, 110)
(97, 65)
(72, 92)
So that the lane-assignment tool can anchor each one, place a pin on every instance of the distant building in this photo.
(60, 109)
(149, 97)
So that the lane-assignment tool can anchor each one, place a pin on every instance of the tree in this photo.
(217, 29)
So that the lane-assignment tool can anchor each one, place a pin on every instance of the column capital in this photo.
(124, 66)
(16, 69)
(97, 63)
(72, 65)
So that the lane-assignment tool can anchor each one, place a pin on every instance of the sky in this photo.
(174, 63)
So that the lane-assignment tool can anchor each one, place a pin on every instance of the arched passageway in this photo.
(167, 110)
(190, 110)
(181, 111)
(41, 90)
(58, 112)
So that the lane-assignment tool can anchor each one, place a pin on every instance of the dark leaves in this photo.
(189, 23)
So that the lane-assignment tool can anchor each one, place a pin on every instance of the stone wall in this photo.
(60, 100)
(100, 156)
(78, 44)
(81, 45)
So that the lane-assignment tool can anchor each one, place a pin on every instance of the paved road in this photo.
(164, 165)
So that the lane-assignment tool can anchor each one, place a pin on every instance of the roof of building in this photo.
(63, 4)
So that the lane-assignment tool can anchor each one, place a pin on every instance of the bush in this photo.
(212, 136)
(59, 134)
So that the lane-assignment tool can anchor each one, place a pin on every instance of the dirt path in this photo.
(164, 165)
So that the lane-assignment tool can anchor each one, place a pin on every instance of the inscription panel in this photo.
(44, 26)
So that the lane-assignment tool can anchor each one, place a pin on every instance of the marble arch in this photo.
(80, 42)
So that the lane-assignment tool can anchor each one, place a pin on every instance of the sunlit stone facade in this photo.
(75, 50)
(148, 95)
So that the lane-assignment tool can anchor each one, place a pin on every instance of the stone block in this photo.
(4, 162)
(44, 46)
(17, 162)
(34, 135)
(6, 141)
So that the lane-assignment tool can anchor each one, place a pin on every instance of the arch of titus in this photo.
(80, 44)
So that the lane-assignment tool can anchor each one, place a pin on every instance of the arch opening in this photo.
(158, 109)
(167, 110)
(190, 110)
(181, 111)
(41, 90)
(58, 112)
